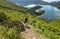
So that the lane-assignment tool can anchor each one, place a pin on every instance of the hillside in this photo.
(28, 2)
(57, 4)
(12, 16)
(16, 8)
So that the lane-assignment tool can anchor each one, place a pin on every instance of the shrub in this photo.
(3, 17)
(9, 33)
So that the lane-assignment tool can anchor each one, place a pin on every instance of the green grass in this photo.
(50, 30)
(9, 33)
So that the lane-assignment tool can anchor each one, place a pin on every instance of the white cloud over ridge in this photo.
(50, 0)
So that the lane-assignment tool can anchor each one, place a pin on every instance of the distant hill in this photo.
(28, 2)
(25, 2)
(57, 4)
(44, 3)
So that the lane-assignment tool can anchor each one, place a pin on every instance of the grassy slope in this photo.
(16, 13)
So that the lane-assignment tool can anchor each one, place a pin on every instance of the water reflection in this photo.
(51, 13)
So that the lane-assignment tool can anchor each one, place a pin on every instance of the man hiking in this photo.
(25, 22)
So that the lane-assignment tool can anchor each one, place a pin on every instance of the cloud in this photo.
(50, 0)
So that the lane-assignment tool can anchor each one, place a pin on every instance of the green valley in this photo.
(12, 16)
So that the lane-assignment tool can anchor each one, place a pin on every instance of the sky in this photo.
(50, 0)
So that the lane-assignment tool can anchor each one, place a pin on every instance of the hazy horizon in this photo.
(51, 0)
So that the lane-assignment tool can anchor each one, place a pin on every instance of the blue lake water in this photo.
(50, 14)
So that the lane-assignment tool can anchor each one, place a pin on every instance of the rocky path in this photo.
(29, 33)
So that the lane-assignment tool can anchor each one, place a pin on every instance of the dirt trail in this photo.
(29, 33)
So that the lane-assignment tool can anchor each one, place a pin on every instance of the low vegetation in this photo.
(41, 12)
(36, 7)
(9, 33)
